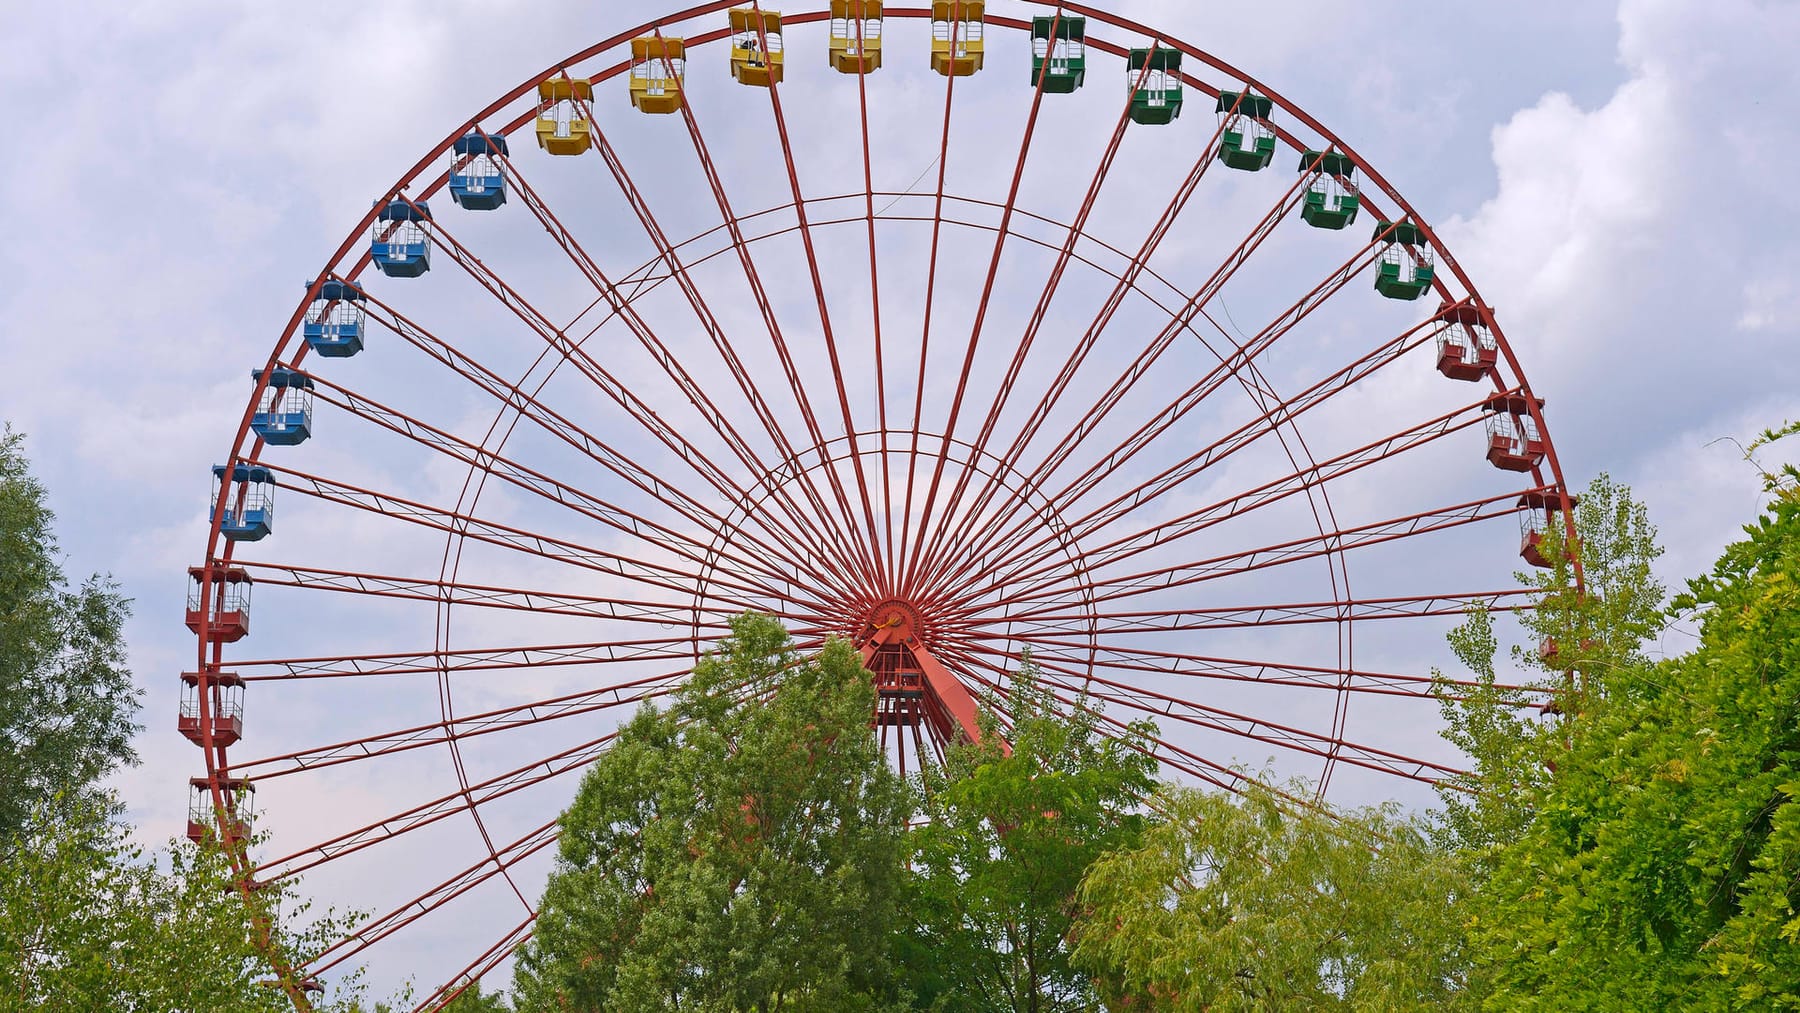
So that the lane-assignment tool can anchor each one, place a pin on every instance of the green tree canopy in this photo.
(1664, 854)
(1249, 904)
(1599, 624)
(1640, 848)
(88, 922)
(474, 1000)
(741, 850)
(1008, 837)
(66, 700)
(1586, 644)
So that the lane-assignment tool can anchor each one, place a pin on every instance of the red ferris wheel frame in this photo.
(889, 617)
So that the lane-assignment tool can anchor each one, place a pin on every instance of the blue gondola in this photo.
(480, 185)
(397, 239)
(247, 501)
(334, 323)
(283, 414)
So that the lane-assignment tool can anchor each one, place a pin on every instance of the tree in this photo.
(66, 700)
(1597, 625)
(474, 1000)
(1659, 856)
(1586, 644)
(1008, 836)
(740, 850)
(1251, 903)
(87, 923)
(87, 920)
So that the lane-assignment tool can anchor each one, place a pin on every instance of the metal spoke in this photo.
(586, 504)
(1090, 338)
(1228, 368)
(623, 465)
(528, 715)
(884, 578)
(375, 929)
(1034, 579)
(485, 659)
(480, 595)
(660, 575)
(1125, 283)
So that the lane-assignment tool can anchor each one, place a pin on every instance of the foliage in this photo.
(1784, 481)
(1492, 804)
(87, 920)
(1598, 626)
(731, 855)
(1601, 623)
(66, 700)
(1660, 856)
(88, 923)
(474, 1000)
(1251, 904)
(1009, 835)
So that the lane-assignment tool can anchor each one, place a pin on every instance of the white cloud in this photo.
(1636, 251)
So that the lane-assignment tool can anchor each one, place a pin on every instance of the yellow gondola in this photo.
(755, 48)
(856, 36)
(658, 66)
(561, 127)
(956, 36)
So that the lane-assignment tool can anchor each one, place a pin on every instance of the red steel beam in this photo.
(468, 726)
(1237, 505)
(480, 595)
(668, 253)
(535, 320)
(571, 760)
(860, 550)
(1126, 282)
(950, 699)
(660, 352)
(1262, 673)
(1219, 775)
(887, 478)
(1311, 547)
(568, 431)
(1282, 614)
(1207, 290)
(937, 228)
(531, 480)
(558, 550)
(375, 929)
(485, 659)
(884, 580)
(1268, 421)
(474, 970)
(1252, 729)
(1216, 377)
(919, 551)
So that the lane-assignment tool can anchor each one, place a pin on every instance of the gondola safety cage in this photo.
(658, 66)
(755, 47)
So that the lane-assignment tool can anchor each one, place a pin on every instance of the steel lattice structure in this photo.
(954, 427)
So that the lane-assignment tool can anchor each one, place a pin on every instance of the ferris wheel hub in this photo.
(912, 686)
(895, 621)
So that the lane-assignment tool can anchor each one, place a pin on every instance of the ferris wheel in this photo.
(1009, 358)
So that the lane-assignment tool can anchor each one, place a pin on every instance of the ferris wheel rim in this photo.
(290, 335)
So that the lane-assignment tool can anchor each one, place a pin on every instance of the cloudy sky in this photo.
(1615, 180)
